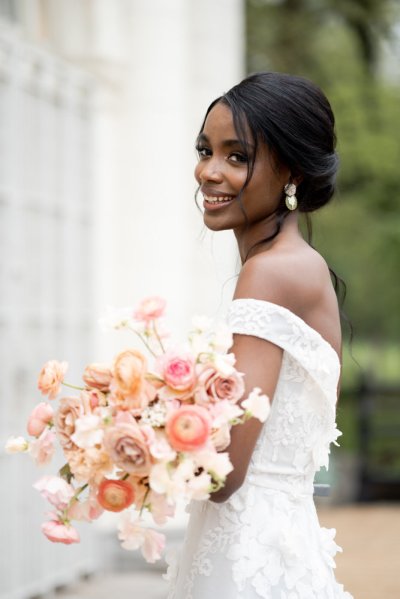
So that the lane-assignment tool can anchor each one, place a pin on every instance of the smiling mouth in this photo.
(218, 199)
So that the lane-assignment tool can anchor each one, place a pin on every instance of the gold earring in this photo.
(290, 199)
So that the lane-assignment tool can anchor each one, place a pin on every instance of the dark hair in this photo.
(294, 118)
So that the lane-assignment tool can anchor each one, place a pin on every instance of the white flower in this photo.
(116, 318)
(217, 464)
(16, 445)
(199, 486)
(257, 404)
(201, 324)
(224, 412)
(224, 363)
(223, 338)
(161, 449)
(87, 431)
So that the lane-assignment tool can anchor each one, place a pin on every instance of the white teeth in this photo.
(217, 199)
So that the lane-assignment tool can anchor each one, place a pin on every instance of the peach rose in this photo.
(115, 495)
(127, 445)
(98, 376)
(188, 428)
(90, 464)
(51, 376)
(129, 370)
(150, 308)
(136, 402)
(69, 411)
(58, 532)
(212, 387)
(39, 419)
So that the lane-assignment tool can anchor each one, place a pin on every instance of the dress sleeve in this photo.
(285, 329)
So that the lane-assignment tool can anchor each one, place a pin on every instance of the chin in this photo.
(219, 224)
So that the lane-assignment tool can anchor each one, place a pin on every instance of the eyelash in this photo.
(242, 158)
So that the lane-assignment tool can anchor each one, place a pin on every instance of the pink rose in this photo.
(51, 376)
(177, 368)
(43, 448)
(57, 532)
(188, 428)
(127, 446)
(212, 387)
(70, 410)
(56, 490)
(98, 376)
(40, 417)
(150, 308)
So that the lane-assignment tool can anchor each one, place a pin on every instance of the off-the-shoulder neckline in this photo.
(296, 319)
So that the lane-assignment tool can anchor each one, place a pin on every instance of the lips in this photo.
(215, 202)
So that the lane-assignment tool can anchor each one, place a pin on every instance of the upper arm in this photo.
(259, 359)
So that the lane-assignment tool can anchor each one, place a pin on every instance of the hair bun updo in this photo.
(294, 118)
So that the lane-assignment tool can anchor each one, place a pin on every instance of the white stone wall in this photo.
(100, 104)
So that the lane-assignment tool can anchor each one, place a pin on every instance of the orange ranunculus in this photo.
(115, 495)
(129, 370)
(188, 428)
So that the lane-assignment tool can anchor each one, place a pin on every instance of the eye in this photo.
(203, 152)
(238, 157)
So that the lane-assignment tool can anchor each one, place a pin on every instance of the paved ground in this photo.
(369, 567)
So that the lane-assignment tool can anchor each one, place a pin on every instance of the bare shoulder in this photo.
(295, 277)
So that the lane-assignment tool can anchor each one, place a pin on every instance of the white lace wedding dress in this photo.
(265, 541)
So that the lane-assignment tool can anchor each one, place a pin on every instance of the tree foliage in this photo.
(337, 43)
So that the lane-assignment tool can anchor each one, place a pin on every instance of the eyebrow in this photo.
(228, 143)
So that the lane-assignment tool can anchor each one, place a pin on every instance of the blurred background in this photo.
(100, 104)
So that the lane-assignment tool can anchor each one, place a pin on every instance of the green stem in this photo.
(146, 344)
(158, 336)
(73, 386)
(144, 501)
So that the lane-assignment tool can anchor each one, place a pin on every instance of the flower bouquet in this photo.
(137, 438)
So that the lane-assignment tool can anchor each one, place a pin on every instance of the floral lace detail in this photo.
(265, 541)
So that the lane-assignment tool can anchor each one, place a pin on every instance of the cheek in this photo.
(197, 171)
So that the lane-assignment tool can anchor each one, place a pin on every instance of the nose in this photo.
(209, 171)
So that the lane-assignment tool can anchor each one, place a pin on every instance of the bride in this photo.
(266, 153)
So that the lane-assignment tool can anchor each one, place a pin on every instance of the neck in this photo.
(250, 239)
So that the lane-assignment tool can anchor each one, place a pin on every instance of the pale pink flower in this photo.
(150, 308)
(42, 449)
(177, 368)
(56, 490)
(41, 416)
(160, 509)
(88, 431)
(140, 487)
(69, 411)
(98, 376)
(16, 445)
(257, 404)
(58, 532)
(160, 449)
(188, 428)
(170, 484)
(128, 448)
(134, 536)
(212, 387)
(224, 412)
(51, 376)
(87, 510)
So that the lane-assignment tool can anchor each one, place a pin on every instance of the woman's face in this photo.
(222, 170)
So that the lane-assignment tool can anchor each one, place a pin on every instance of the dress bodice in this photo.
(295, 440)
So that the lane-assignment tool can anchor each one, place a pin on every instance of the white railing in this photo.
(45, 284)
